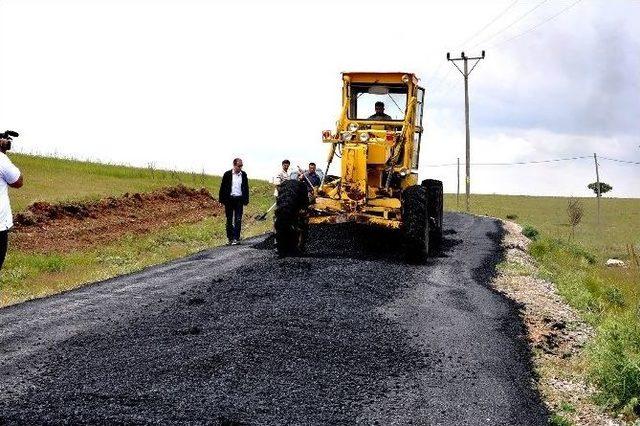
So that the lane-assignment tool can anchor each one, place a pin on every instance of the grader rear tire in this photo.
(291, 223)
(434, 209)
(415, 223)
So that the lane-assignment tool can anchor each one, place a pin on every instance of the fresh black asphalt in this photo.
(349, 334)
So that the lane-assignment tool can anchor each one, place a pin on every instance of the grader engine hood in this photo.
(354, 171)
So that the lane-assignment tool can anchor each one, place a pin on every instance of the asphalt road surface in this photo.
(234, 335)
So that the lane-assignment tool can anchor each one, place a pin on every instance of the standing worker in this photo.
(282, 176)
(9, 176)
(310, 177)
(234, 194)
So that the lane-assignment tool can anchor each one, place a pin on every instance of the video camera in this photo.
(5, 139)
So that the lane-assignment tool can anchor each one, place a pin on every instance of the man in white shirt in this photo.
(234, 194)
(10, 176)
(282, 176)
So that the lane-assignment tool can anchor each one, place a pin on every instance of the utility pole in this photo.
(458, 191)
(595, 159)
(465, 74)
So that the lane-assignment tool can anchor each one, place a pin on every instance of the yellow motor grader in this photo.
(378, 142)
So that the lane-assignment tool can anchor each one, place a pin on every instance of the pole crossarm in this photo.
(456, 65)
(473, 67)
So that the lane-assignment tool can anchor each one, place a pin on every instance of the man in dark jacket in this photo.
(234, 194)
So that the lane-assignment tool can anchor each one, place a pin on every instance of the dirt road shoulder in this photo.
(555, 331)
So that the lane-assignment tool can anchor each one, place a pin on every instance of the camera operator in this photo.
(9, 176)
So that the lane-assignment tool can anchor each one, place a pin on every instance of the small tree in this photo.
(604, 187)
(575, 213)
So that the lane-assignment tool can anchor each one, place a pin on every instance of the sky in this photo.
(190, 85)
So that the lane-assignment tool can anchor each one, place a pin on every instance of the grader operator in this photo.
(378, 182)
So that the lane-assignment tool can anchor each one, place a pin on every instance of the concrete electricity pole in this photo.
(465, 73)
(458, 190)
(595, 159)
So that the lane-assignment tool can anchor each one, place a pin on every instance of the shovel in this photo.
(263, 216)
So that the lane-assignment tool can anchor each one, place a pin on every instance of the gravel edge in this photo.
(555, 332)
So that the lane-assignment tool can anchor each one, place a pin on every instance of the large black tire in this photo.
(435, 207)
(415, 223)
(291, 222)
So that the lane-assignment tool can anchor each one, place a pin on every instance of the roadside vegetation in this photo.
(27, 275)
(608, 298)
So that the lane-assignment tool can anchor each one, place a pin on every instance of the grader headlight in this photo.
(364, 136)
(346, 136)
(353, 127)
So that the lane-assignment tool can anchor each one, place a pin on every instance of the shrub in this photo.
(575, 213)
(530, 232)
(614, 296)
(558, 420)
(614, 356)
(579, 252)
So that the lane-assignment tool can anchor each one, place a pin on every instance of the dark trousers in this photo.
(4, 241)
(233, 210)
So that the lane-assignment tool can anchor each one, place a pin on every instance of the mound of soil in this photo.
(61, 227)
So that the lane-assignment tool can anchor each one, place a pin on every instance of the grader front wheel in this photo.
(290, 219)
(434, 209)
(415, 220)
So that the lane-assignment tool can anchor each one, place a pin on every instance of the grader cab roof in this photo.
(379, 77)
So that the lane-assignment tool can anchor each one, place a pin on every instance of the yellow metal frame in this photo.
(356, 218)
(361, 195)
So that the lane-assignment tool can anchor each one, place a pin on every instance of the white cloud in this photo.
(192, 84)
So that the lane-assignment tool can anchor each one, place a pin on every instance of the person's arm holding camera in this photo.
(10, 173)
(17, 184)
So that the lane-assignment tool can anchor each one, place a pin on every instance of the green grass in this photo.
(28, 275)
(607, 298)
(620, 218)
(54, 179)
(559, 420)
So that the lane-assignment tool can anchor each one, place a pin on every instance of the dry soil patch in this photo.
(63, 227)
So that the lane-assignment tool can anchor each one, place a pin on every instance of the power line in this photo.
(445, 78)
(620, 161)
(538, 25)
(500, 15)
(553, 160)
(511, 24)
(437, 71)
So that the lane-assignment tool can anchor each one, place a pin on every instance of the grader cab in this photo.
(377, 140)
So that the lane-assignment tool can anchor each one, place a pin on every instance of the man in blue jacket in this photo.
(234, 194)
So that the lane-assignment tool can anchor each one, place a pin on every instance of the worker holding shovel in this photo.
(278, 179)
(310, 177)
(282, 176)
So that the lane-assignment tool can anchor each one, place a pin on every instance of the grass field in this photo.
(28, 275)
(619, 218)
(607, 298)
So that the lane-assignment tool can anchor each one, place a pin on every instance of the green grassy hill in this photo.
(28, 275)
(619, 218)
(53, 179)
